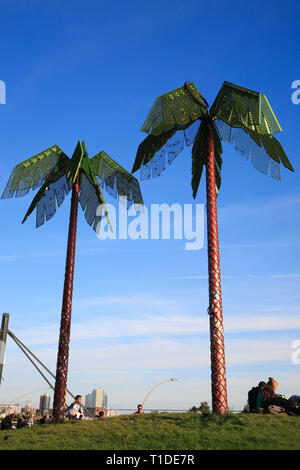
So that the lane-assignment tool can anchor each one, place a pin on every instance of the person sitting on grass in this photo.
(21, 422)
(276, 404)
(29, 421)
(6, 423)
(295, 399)
(139, 410)
(259, 400)
(272, 383)
(44, 420)
(255, 398)
(75, 410)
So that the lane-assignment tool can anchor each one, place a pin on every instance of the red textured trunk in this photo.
(218, 372)
(65, 323)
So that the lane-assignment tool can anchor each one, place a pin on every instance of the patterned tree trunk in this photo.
(218, 372)
(65, 324)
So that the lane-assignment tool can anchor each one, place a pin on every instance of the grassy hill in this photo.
(163, 431)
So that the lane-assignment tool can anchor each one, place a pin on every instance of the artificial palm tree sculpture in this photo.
(181, 118)
(57, 174)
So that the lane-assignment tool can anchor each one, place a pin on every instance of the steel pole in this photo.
(3, 336)
(218, 371)
(65, 324)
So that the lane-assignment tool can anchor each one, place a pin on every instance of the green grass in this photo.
(163, 431)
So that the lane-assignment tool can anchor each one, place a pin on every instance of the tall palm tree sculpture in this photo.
(57, 174)
(181, 118)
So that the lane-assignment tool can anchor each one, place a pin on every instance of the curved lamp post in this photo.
(173, 379)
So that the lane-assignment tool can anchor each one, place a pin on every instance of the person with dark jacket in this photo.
(44, 420)
(276, 404)
(21, 422)
(6, 423)
(255, 398)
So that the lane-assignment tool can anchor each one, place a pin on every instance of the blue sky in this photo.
(91, 70)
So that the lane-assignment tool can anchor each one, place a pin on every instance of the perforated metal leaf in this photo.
(149, 147)
(117, 181)
(258, 150)
(154, 155)
(198, 158)
(245, 118)
(179, 107)
(199, 155)
(90, 204)
(32, 173)
(50, 196)
(248, 109)
(75, 162)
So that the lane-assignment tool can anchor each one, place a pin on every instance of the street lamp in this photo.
(173, 379)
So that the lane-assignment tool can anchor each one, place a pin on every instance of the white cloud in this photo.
(275, 206)
(159, 323)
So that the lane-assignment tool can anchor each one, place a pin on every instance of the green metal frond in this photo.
(275, 150)
(92, 202)
(263, 150)
(149, 147)
(218, 157)
(178, 109)
(248, 109)
(75, 162)
(117, 181)
(199, 155)
(245, 119)
(52, 192)
(34, 171)
(198, 158)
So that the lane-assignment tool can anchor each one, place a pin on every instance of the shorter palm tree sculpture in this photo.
(57, 174)
(181, 118)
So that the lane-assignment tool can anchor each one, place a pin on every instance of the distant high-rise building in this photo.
(96, 399)
(105, 400)
(28, 406)
(44, 403)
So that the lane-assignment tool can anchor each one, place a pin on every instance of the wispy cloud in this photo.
(20, 256)
(42, 254)
(261, 245)
(283, 276)
(256, 208)
(143, 325)
(191, 277)
(243, 276)
(166, 354)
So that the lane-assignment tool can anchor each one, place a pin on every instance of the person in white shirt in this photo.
(75, 410)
